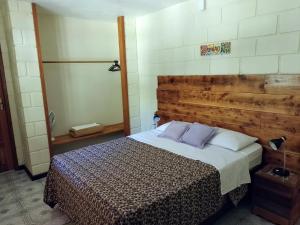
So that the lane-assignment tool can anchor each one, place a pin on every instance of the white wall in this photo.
(264, 35)
(25, 73)
(11, 91)
(132, 75)
(81, 93)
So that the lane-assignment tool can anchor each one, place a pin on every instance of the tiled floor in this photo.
(21, 203)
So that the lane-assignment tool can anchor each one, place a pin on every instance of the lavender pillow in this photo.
(175, 130)
(198, 135)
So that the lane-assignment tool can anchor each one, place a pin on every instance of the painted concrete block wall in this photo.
(11, 91)
(133, 75)
(265, 37)
(25, 73)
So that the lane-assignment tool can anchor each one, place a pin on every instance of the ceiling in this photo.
(103, 9)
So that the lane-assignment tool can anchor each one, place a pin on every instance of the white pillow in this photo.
(232, 140)
(163, 127)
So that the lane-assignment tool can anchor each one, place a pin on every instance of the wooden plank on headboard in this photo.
(283, 84)
(265, 106)
(284, 104)
(228, 83)
(213, 113)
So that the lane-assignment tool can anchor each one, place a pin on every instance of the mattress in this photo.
(254, 154)
(233, 166)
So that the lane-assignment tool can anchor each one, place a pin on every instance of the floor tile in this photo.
(21, 183)
(6, 187)
(10, 210)
(21, 203)
(43, 214)
(43, 181)
(3, 178)
(29, 190)
(18, 220)
(32, 201)
(7, 198)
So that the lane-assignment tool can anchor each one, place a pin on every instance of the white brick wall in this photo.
(290, 64)
(24, 66)
(36, 99)
(21, 20)
(196, 67)
(258, 26)
(183, 54)
(21, 69)
(38, 143)
(271, 6)
(265, 37)
(278, 44)
(243, 47)
(218, 3)
(34, 114)
(24, 53)
(132, 76)
(239, 11)
(259, 65)
(36, 129)
(11, 91)
(26, 101)
(208, 18)
(222, 32)
(30, 130)
(38, 157)
(264, 34)
(225, 66)
(287, 21)
(40, 128)
(40, 168)
(33, 69)
(195, 35)
(28, 84)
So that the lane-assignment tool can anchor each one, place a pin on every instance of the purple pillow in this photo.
(175, 130)
(198, 135)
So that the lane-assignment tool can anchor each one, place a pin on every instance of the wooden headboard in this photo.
(264, 106)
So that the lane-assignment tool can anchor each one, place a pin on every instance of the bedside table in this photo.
(275, 198)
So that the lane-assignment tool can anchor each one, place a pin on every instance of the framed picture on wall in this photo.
(222, 48)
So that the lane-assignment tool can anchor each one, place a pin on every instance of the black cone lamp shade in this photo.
(115, 67)
(275, 145)
(156, 118)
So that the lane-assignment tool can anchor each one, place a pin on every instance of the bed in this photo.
(142, 179)
(145, 179)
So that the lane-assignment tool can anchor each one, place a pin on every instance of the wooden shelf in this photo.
(65, 139)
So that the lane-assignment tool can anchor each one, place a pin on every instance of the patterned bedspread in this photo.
(128, 182)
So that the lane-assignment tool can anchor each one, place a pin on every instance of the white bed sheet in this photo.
(233, 166)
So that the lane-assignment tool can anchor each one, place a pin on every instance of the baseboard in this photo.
(32, 177)
(22, 167)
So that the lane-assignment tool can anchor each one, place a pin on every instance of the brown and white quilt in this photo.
(129, 182)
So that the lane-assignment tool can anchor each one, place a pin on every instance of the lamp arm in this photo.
(284, 156)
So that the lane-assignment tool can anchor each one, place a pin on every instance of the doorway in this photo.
(8, 159)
